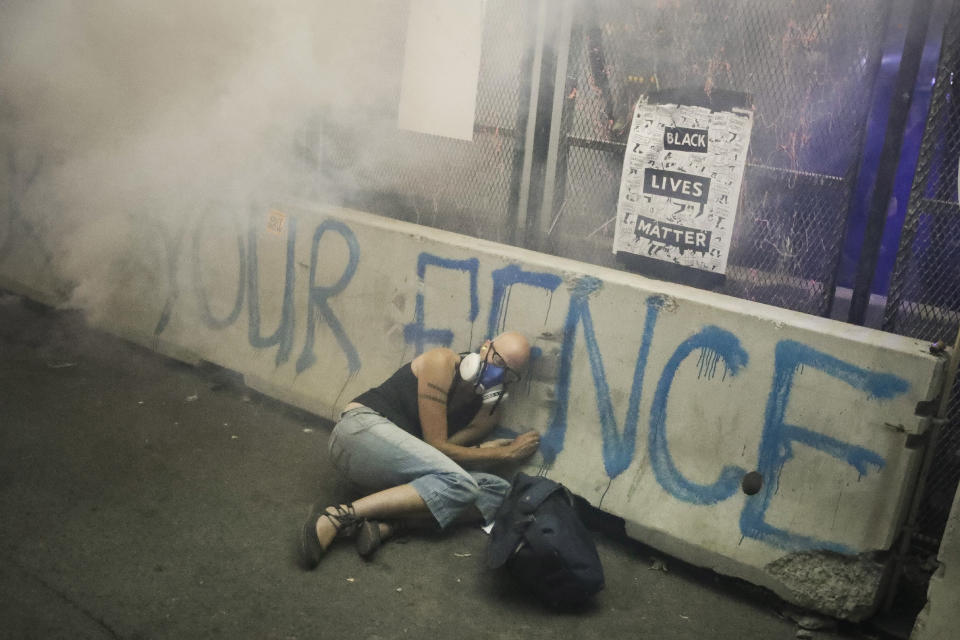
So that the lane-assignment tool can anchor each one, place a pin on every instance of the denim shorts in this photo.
(375, 454)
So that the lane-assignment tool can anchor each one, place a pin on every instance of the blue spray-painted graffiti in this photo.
(714, 345)
(708, 340)
(617, 449)
(283, 336)
(171, 246)
(248, 285)
(503, 281)
(200, 291)
(776, 443)
(320, 295)
(416, 332)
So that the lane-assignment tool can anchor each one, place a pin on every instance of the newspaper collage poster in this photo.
(682, 173)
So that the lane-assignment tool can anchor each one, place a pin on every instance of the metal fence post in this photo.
(556, 54)
(519, 232)
(889, 158)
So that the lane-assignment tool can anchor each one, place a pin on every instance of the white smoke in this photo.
(133, 114)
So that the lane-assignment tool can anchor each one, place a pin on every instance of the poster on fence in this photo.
(682, 173)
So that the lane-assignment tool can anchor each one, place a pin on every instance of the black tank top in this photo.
(396, 400)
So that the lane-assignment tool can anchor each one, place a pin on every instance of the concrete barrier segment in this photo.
(764, 443)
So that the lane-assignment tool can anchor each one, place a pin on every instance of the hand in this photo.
(523, 446)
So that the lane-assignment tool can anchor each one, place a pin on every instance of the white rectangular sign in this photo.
(441, 67)
(680, 186)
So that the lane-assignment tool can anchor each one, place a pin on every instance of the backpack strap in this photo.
(533, 497)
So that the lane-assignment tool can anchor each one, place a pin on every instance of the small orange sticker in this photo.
(276, 221)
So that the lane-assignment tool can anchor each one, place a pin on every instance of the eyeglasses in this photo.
(509, 376)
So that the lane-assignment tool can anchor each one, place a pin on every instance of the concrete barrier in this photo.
(766, 444)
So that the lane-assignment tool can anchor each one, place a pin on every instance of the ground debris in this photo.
(462, 555)
(192, 398)
(61, 365)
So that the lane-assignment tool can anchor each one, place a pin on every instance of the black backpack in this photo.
(544, 545)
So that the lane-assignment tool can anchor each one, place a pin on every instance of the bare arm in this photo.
(477, 430)
(435, 373)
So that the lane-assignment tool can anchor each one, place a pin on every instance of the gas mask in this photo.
(489, 381)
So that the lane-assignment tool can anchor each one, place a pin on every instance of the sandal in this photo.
(368, 538)
(342, 517)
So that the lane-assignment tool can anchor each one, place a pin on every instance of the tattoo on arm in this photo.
(438, 399)
(437, 388)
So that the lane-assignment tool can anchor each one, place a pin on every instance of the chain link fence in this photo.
(470, 187)
(924, 298)
(809, 68)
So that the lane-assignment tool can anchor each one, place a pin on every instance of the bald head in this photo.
(514, 348)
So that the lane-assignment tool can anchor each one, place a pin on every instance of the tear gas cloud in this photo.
(116, 117)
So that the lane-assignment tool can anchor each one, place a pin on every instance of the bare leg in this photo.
(396, 502)
(422, 522)
(374, 533)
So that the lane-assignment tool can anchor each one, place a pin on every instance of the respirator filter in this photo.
(487, 379)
